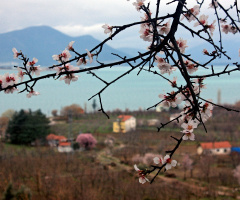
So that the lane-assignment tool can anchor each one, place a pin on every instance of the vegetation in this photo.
(73, 110)
(27, 126)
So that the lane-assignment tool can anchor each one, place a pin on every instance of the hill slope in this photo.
(42, 42)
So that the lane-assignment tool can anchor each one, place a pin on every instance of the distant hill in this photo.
(42, 42)
(230, 46)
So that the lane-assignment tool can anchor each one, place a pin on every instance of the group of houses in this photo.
(127, 123)
(60, 142)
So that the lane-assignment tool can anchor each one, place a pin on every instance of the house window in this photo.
(217, 150)
(225, 150)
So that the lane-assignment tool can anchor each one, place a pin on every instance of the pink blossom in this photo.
(213, 4)
(169, 162)
(211, 27)
(63, 57)
(205, 51)
(206, 111)
(199, 83)
(33, 62)
(35, 70)
(165, 28)
(182, 45)
(202, 20)
(158, 160)
(15, 53)
(171, 100)
(146, 34)
(66, 67)
(9, 80)
(70, 46)
(68, 78)
(82, 61)
(188, 135)
(107, 29)
(142, 175)
(164, 66)
(191, 67)
(226, 28)
(173, 83)
(10, 90)
(233, 30)
(32, 93)
(188, 127)
(138, 4)
(159, 60)
(192, 13)
(90, 56)
(20, 73)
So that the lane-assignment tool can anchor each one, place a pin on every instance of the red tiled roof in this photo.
(215, 145)
(55, 137)
(64, 144)
(51, 137)
(124, 117)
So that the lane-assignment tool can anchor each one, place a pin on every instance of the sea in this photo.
(133, 92)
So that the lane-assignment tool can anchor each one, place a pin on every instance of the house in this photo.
(54, 140)
(65, 147)
(214, 148)
(124, 123)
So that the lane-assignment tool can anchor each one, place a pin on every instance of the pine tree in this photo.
(27, 126)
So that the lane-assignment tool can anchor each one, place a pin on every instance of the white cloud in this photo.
(77, 30)
(80, 17)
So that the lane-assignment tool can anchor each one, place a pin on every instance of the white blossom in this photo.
(142, 175)
(70, 46)
(169, 162)
(32, 93)
(107, 29)
(138, 4)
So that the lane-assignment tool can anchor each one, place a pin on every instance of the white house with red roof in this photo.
(124, 123)
(65, 147)
(54, 140)
(214, 148)
(59, 141)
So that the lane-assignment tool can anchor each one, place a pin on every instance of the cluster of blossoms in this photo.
(227, 28)
(157, 31)
(164, 66)
(30, 69)
(7, 80)
(68, 77)
(166, 161)
(190, 117)
(34, 69)
(68, 69)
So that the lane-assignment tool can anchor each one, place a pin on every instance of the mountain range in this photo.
(42, 42)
